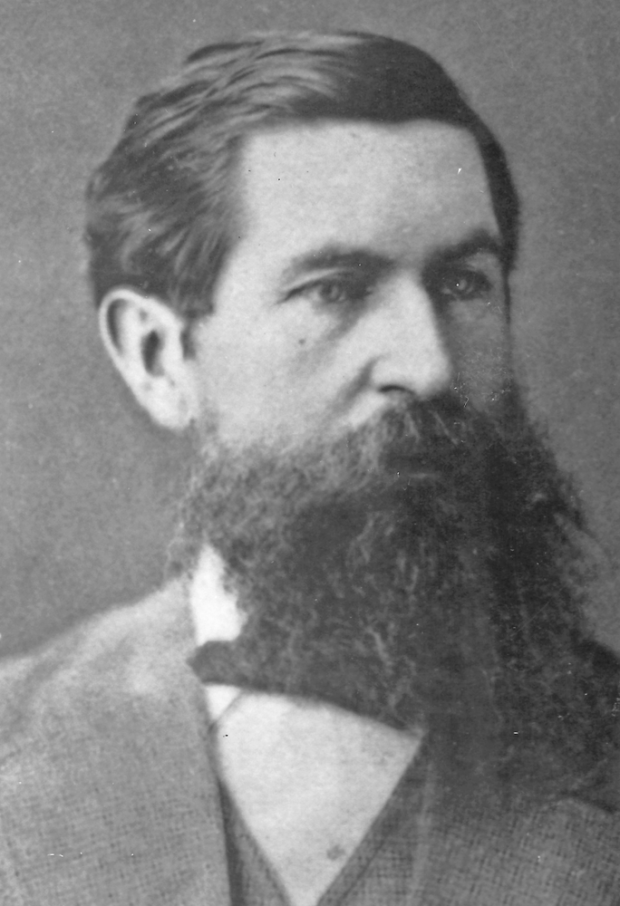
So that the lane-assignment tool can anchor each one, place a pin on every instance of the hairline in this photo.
(233, 127)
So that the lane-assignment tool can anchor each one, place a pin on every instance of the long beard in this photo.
(397, 573)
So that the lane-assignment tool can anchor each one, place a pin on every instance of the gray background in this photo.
(87, 486)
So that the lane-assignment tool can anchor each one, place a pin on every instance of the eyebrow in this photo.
(334, 255)
(479, 242)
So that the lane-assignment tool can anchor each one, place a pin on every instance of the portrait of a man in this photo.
(369, 675)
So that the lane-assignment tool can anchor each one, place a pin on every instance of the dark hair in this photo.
(161, 208)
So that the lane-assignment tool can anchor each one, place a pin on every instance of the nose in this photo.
(411, 354)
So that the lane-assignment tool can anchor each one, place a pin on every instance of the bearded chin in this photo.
(359, 566)
(426, 571)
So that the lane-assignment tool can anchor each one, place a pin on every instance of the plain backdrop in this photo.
(87, 486)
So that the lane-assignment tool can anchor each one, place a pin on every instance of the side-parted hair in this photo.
(162, 209)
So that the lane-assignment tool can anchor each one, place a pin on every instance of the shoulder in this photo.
(563, 851)
(93, 728)
(118, 654)
(571, 847)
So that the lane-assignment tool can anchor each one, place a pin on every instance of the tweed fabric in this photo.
(108, 793)
(105, 779)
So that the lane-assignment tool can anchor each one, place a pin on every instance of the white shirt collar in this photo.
(216, 618)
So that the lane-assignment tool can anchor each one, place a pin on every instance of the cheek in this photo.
(303, 344)
(279, 361)
(481, 347)
(254, 378)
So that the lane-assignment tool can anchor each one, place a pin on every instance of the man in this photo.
(300, 249)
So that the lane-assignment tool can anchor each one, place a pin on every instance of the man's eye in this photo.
(333, 291)
(461, 285)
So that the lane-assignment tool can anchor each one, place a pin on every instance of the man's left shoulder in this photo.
(563, 851)
(575, 843)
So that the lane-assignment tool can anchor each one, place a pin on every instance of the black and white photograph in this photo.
(310, 453)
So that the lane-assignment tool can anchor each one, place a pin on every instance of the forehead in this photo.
(401, 188)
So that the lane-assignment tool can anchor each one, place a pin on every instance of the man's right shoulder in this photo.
(91, 667)
(94, 727)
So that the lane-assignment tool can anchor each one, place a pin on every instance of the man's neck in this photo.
(307, 777)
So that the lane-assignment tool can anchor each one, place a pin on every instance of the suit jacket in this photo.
(108, 793)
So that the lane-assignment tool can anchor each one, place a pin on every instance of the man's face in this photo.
(385, 523)
(368, 269)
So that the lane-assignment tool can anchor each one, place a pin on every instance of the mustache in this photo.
(416, 454)
(415, 447)
(421, 435)
(410, 437)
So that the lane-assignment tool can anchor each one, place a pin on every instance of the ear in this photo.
(146, 341)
